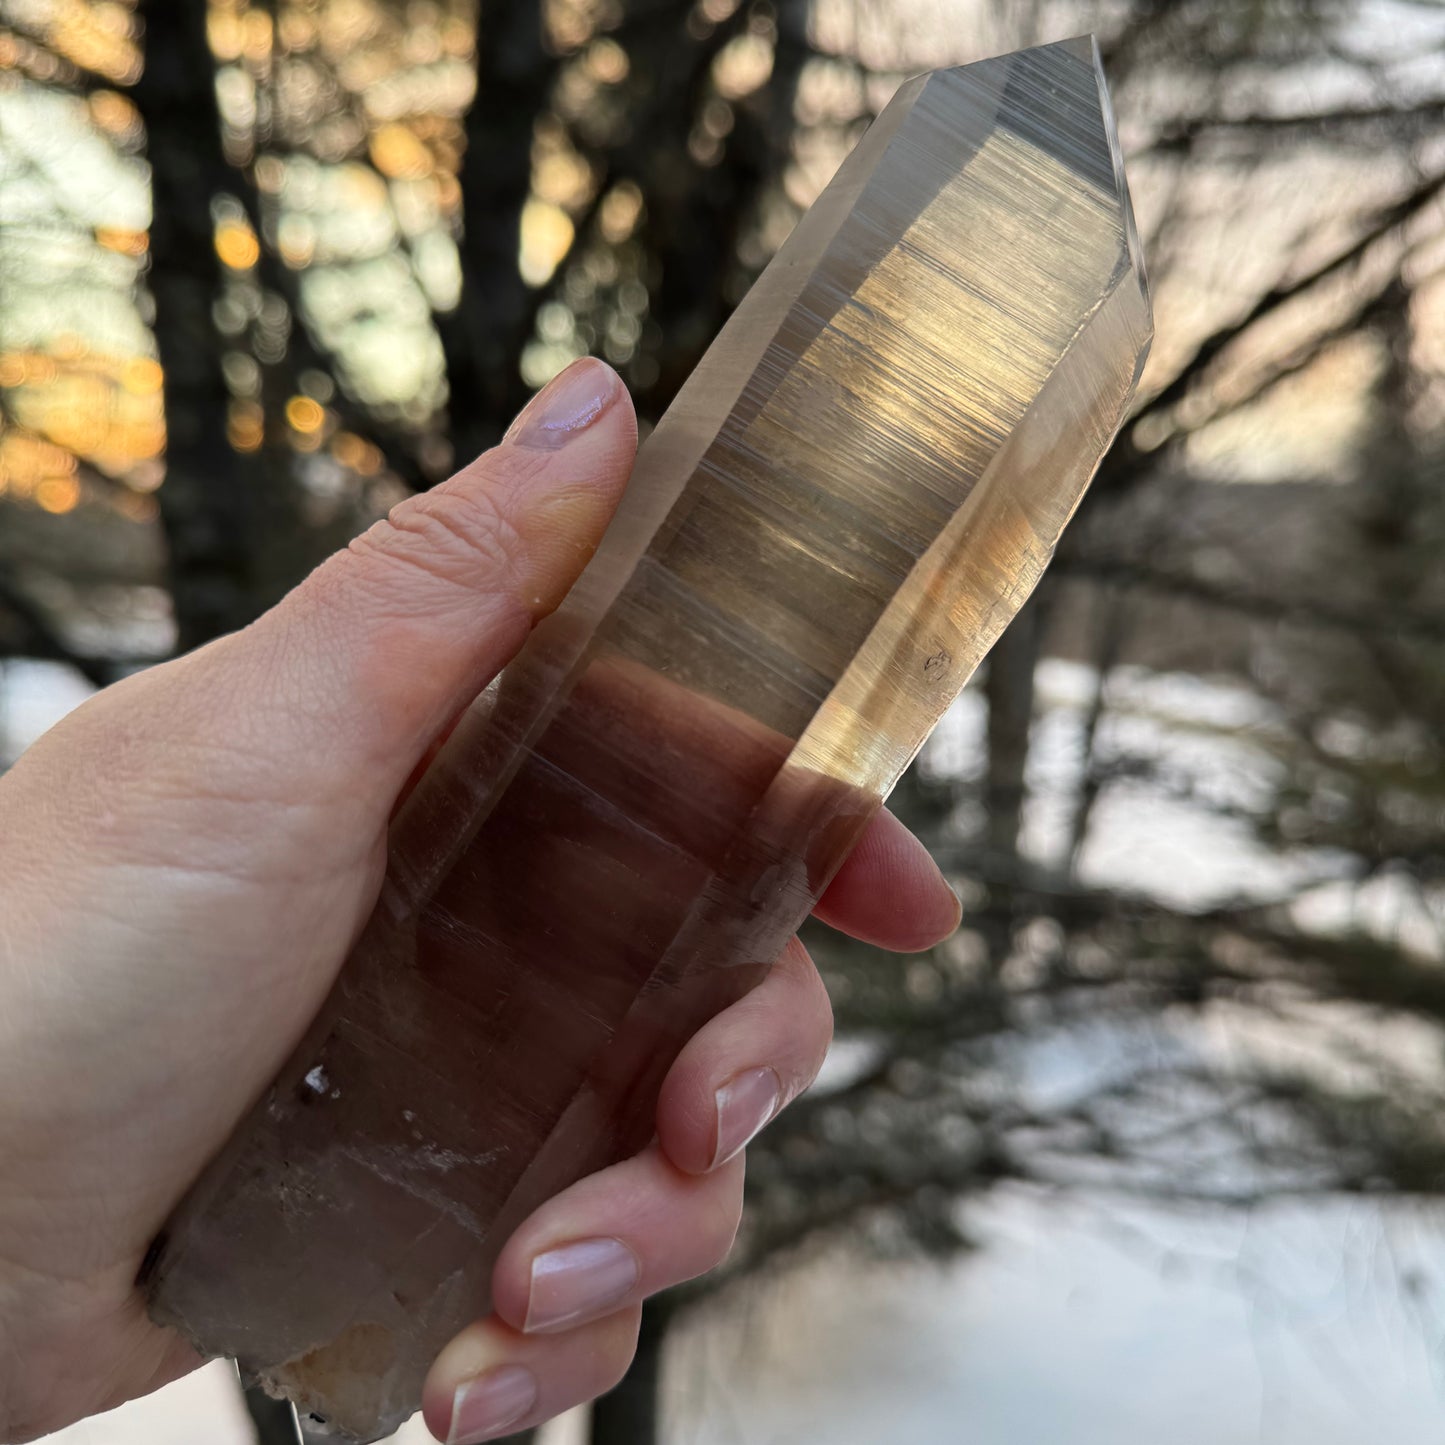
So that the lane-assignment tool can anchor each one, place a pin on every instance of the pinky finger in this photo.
(491, 1381)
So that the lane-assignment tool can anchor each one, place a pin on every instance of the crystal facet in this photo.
(835, 520)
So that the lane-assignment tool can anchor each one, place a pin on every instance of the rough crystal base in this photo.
(844, 507)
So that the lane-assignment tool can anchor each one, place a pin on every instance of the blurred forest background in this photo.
(266, 266)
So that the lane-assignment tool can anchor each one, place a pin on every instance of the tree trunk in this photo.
(1110, 627)
(483, 338)
(628, 1415)
(695, 210)
(205, 500)
(1009, 689)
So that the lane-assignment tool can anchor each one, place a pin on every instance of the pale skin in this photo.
(184, 863)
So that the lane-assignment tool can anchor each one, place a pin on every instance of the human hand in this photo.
(185, 862)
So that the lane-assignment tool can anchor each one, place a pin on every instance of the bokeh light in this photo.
(237, 246)
(245, 426)
(57, 495)
(304, 414)
(99, 36)
(547, 233)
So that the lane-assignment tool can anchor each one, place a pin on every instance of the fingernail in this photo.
(744, 1105)
(490, 1403)
(578, 1282)
(568, 404)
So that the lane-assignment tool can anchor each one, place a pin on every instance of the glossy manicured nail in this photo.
(487, 1405)
(578, 1282)
(744, 1105)
(568, 404)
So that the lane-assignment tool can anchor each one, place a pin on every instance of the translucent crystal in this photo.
(835, 520)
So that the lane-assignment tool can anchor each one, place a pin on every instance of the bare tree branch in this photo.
(1182, 135)
(1394, 622)
(1390, 220)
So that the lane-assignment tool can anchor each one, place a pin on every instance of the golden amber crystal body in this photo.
(832, 524)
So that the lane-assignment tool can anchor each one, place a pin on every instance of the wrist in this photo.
(13, 1309)
(46, 1360)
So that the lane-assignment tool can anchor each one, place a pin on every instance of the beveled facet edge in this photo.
(1121, 180)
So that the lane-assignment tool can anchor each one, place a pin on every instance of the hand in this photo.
(184, 863)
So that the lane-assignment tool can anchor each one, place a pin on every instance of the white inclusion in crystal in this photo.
(317, 1081)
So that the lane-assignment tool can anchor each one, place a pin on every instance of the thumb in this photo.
(385, 643)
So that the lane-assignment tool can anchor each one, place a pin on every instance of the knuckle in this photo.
(615, 1344)
(503, 466)
(823, 1005)
(617, 1367)
(810, 1002)
(459, 536)
(802, 998)
(721, 1223)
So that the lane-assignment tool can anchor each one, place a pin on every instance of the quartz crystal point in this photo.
(837, 517)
